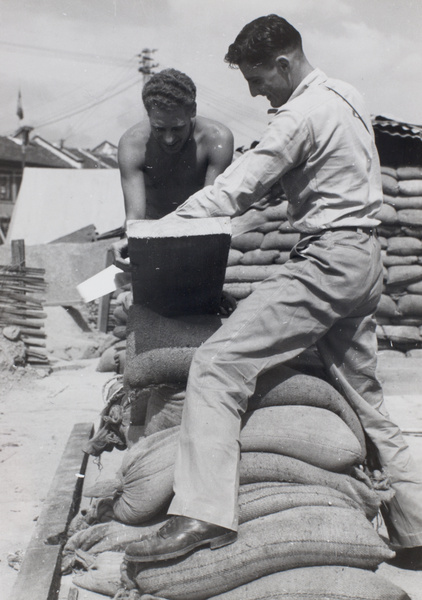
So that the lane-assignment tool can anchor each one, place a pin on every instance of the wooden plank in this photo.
(104, 301)
(83, 235)
(39, 575)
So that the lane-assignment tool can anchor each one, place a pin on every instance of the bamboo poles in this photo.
(21, 301)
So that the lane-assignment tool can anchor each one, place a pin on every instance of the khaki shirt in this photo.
(320, 147)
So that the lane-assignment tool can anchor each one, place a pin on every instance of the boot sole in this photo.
(213, 543)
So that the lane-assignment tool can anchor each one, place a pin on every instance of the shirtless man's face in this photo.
(171, 128)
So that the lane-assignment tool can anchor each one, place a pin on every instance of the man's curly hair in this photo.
(169, 89)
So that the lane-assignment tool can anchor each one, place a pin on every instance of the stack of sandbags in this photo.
(253, 254)
(400, 310)
(304, 502)
(263, 238)
(159, 351)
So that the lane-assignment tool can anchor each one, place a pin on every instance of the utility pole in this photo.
(146, 64)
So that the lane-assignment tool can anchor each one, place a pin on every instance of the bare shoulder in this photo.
(210, 132)
(132, 144)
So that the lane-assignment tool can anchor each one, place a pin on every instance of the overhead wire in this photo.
(73, 129)
(70, 54)
(246, 120)
(87, 107)
(75, 90)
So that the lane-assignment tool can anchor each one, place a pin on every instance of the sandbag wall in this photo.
(254, 255)
(304, 501)
(400, 310)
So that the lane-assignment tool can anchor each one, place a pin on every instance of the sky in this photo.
(76, 61)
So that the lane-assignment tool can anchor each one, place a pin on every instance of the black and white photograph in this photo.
(211, 300)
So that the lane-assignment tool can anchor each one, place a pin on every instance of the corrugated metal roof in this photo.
(397, 128)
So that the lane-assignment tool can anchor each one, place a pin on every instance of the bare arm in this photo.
(131, 156)
(220, 152)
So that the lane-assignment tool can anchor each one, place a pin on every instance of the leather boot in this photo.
(178, 536)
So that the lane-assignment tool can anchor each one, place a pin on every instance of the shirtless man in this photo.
(169, 156)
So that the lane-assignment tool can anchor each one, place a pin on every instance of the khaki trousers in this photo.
(326, 294)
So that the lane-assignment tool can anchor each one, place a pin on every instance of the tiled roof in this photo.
(35, 155)
(41, 153)
(109, 160)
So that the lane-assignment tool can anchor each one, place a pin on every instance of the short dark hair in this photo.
(169, 89)
(261, 39)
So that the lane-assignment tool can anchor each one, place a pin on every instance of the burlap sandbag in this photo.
(299, 429)
(103, 575)
(409, 172)
(314, 435)
(278, 240)
(107, 362)
(404, 202)
(294, 538)
(388, 230)
(387, 307)
(148, 330)
(404, 246)
(261, 499)
(387, 214)
(265, 467)
(269, 226)
(144, 485)
(389, 185)
(412, 231)
(389, 171)
(284, 385)
(318, 583)
(277, 212)
(247, 241)
(240, 273)
(239, 290)
(234, 257)
(392, 260)
(279, 387)
(410, 305)
(305, 583)
(255, 500)
(164, 409)
(259, 257)
(283, 257)
(404, 275)
(156, 367)
(415, 288)
(410, 187)
(401, 334)
(410, 216)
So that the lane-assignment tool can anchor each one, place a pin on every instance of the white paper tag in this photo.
(100, 284)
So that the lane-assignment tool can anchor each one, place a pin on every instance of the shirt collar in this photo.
(315, 77)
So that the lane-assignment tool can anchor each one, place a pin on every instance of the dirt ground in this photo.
(38, 412)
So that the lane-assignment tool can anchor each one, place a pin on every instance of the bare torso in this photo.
(156, 181)
(171, 178)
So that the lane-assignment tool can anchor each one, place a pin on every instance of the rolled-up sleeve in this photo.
(283, 146)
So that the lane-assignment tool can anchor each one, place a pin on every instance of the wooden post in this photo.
(18, 253)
